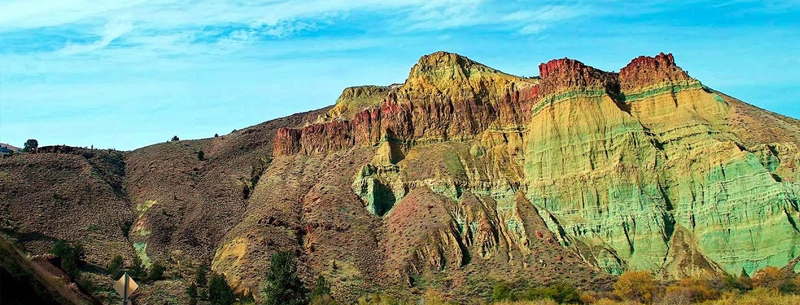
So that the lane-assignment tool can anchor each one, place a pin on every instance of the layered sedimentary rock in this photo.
(446, 97)
(621, 161)
(614, 163)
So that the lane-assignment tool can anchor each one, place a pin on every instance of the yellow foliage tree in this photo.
(770, 277)
(636, 286)
(691, 290)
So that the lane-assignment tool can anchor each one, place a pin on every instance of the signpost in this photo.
(125, 286)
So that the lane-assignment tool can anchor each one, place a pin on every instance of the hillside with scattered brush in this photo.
(459, 178)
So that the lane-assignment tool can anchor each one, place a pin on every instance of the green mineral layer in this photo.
(617, 177)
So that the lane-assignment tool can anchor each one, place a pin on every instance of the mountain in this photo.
(460, 177)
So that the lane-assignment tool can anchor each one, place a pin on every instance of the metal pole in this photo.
(125, 290)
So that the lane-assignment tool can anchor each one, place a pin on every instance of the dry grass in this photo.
(537, 302)
(759, 296)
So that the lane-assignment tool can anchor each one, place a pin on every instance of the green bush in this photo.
(191, 291)
(200, 275)
(115, 267)
(559, 292)
(321, 294)
(156, 272)
(501, 292)
(72, 256)
(137, 268)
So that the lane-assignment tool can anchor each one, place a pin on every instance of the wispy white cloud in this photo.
(228, 24)
(111, 31)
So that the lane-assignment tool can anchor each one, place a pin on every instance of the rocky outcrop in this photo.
(560, 75)
(646, 71)
(446, 97)
(355, 99)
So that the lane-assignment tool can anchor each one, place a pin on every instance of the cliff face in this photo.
(459, 177)
(622, 163)
(446, 97)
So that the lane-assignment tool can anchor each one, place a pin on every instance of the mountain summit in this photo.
(458, 178)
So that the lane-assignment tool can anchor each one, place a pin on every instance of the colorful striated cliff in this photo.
(460, 177)
(615, 164)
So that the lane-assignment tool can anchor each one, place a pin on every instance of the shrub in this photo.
(689, 291)
(323, 300)
(744, 281)
(175, 139)
(283, 285)
(321, 294)
(200, 275)
(115, 267)
(72, 256)
(156, 272)
(137, 268)
(636, 286)
(219, 293)
(501, 292)
(191, 291)
(431, 297)
(774, 278)
(379, 299)
(559, 292)
(201, 155)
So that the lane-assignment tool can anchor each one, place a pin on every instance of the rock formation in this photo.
(459, 177)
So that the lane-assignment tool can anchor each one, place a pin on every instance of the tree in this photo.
(72, 256)
(216, 135)
(137, 268)
(200, 275)
(690, 291)
(321, 294)
(175, 139)
(156, 272)
(31, 145)
(192, 292)
(283, 284)
(201, 155)
(115, 267)
(219, 293)
(774, 278)
(636, 286)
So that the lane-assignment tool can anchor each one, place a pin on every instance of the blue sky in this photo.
(125, 74)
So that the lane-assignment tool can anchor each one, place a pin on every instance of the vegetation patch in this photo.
(141, 252)
(143, 207)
